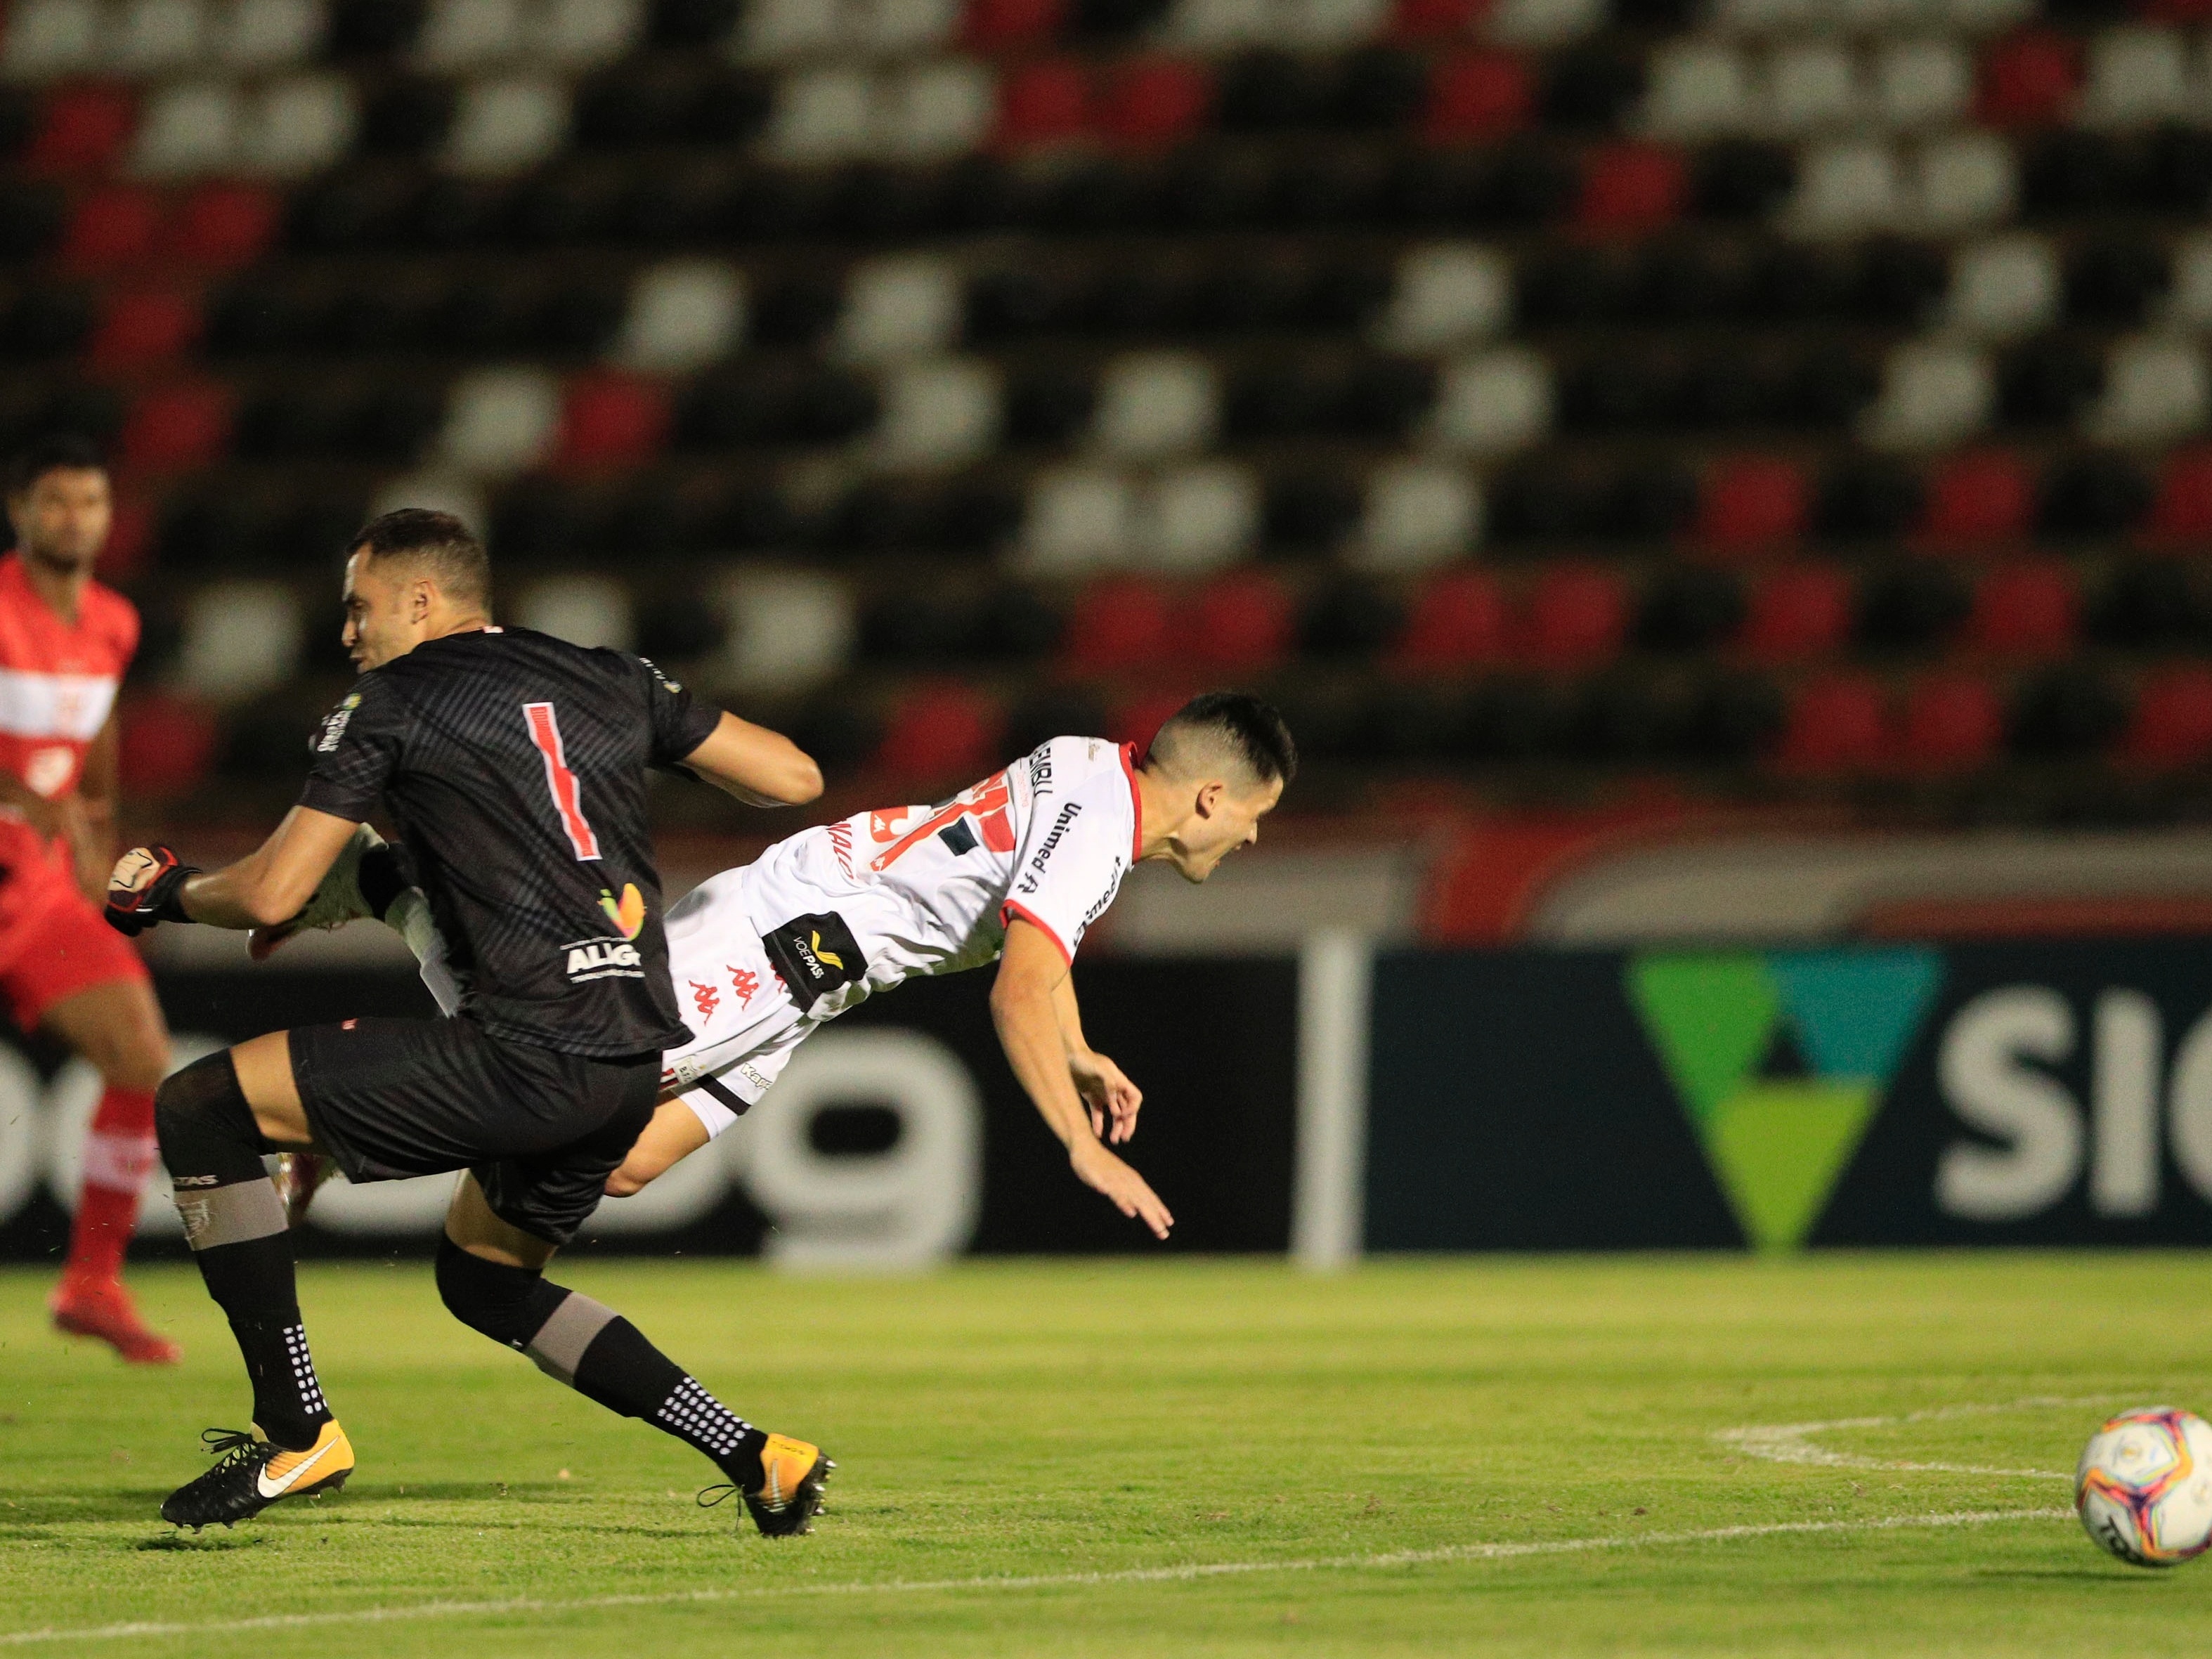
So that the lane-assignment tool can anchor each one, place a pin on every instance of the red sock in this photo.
(118, 1151)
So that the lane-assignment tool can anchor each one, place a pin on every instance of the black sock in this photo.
(236, 1226)
(595, 1351)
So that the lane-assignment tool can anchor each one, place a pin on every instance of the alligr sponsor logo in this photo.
(603, 958)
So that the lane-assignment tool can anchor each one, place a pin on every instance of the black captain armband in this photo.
(133, 910)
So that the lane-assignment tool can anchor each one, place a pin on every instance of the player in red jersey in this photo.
(64, 642)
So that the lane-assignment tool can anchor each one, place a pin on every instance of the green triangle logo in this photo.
(1779, 1146)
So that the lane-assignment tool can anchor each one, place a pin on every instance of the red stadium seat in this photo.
(111, 230)
(81, 130)
(1835, 725)
(610, 419)
(1457, 620)
(168, 745)
(1242, 623)
(2030, 608)
(998, 25)
(1750, 503)
(1978, 500)
(1434, 20)
(2177, 11)
(1152, 101)
(1952, 723)
(1139, 720)
(1044, 103)
(1577, 616)
(224, 227)
(2182, 515)
(941, 733)
(2029, 79)
(1631, 187)
(2173, 722)
(186, 424)
(142, 326)
(130, 539)
(1796, 615)
(1119, 623)
(1476, 96)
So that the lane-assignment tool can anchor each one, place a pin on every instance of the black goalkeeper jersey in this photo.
(513, 763)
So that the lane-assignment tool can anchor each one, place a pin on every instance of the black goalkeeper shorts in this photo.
(540, 1131)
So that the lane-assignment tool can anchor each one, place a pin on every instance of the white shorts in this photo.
(743, 1024)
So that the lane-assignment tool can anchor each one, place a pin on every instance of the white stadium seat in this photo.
(1154, 403)
(1197, 519)
(788, 629)
(2135, 75)
(1493, 402)
(437, 492)
(1540, 23)
(1697, 89)
(787, 31)
(240, 637)
(299, 125)
(500, 419)
(907, 304)
(2188, 300)
(1983, 17)
(2156, 389)
(934, 110)
(505, 124)
(1329, 25)
(576, 33)
(1846, 188)
(465, 34)
(1419, 515)
(266, 34)
(936, 414)
(592, 611)
(900, 29)
(1921, 83)
(683, 315)
(1934, 392)
(1811, 87)
(2004, 286)
(50, 38)
(156, 37)
(1448, 295)
(1220, 25)
(1077, 519)
(187, 130)
(1964, 182)
(822, 115)
(1770, 17)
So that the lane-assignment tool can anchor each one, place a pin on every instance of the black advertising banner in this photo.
(2041, 1093)
(897, 1137)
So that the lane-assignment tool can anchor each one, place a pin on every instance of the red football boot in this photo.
(102, 1308)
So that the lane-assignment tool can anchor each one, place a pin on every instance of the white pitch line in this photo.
(1186, 1572)
(1792, 1443)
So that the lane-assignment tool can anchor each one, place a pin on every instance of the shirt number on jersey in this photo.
(568, 795)
(988, 800)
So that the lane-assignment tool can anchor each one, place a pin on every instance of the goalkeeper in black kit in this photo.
(515, 766)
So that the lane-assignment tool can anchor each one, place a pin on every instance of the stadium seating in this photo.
(1530, 395)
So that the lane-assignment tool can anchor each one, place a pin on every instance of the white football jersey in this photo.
(819, 922)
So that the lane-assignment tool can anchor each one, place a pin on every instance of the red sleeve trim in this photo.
(1010, 909)
(1136, 803)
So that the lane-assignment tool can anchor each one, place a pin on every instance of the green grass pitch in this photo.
(1041, 1458)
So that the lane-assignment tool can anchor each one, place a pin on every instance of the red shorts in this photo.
(53, 943)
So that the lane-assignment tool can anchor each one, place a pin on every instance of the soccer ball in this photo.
(2144, 1486)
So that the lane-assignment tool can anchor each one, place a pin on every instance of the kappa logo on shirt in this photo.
(815, 955)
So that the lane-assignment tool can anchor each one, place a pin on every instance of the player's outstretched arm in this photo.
(761, 767)
(1022, 1007)
(1106, 1090)
(674, 1135)
(269, 885)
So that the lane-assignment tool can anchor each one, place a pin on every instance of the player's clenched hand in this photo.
(1102, 1171)
(146, 886)
(1107, 1092)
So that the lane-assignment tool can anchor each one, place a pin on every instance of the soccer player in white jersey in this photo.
(1016, 869)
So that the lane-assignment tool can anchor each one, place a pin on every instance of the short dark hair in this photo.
(60, 451)
(1249, 729)
(437, 540)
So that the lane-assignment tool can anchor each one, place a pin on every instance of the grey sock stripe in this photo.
(558, 1347)
(236, 1214)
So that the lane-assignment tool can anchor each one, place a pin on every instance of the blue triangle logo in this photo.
(1856, 1011)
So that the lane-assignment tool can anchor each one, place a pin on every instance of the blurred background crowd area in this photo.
(1552, 404)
